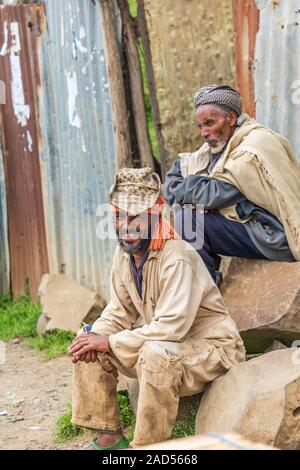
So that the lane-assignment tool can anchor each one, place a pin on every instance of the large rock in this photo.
(259, 399)
(263, 297)
(65, 303)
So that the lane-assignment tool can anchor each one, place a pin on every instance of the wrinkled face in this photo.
(134, 232)
(216, 126)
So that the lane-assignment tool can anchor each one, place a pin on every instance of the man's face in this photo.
(134, 232)
(216, 126)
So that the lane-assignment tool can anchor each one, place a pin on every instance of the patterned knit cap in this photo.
(222, 96)
(135, 190)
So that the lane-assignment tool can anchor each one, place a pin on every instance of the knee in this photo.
(159, 355)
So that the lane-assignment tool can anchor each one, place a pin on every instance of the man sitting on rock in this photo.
(166, 323)
(246, 179)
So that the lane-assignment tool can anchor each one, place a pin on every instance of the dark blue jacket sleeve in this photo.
(212, 193)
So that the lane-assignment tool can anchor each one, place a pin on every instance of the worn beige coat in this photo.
(181, 306)
(262, 165)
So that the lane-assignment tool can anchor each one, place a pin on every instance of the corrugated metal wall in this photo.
(77, 148)
(4, 254)
(61, 156)
(277, 68)
(191, 45)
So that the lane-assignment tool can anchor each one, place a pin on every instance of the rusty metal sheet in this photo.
(246, 23)
(20, 31)
(191, 46)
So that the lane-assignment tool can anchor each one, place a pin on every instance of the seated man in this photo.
(247, 179)
(166, 323)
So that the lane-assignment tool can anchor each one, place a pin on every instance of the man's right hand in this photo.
(90, 356)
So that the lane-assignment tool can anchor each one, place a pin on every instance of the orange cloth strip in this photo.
(164, 230)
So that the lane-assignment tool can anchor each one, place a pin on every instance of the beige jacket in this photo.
(262, 165)
(180, 303)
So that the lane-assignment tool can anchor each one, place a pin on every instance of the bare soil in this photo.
(33, 394)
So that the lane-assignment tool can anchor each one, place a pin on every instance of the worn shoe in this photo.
(121, 444)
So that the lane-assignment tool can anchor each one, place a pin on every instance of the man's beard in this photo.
(219, 147)
(133, 249)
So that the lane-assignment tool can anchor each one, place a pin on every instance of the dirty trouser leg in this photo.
(159, 373)
(94, 403)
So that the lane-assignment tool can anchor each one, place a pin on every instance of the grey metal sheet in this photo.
(77, 143)
(277, 68)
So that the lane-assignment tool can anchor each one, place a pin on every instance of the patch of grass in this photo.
(185, 427)
(53, 343)
(18, 319)
(127, 415)
(64, 429)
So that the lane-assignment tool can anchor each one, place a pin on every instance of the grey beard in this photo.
(143, 243)
(221, 145)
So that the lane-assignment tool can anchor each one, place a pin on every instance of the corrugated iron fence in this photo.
(58, 143)
(74, 110)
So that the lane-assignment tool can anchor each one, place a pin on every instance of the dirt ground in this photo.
(33, 393)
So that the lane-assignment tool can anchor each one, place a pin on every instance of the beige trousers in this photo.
(162, 377)
(159, 374)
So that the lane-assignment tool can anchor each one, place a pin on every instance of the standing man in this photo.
(166, 323)
(247, 179)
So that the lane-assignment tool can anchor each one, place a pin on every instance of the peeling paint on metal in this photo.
(74, 119)
(21, 109)
(29, 141)
(4, 49)
(277, 69)
(4, 253)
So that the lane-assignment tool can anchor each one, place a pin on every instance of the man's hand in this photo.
(86, 346)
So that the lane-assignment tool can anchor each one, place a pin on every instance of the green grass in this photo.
(64, 429)
(127, 415)
(18, 319)
(53, 343)
(186, 427)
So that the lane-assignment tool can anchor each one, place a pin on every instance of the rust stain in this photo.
(20, 29)
(275, 3)
(246, 25)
